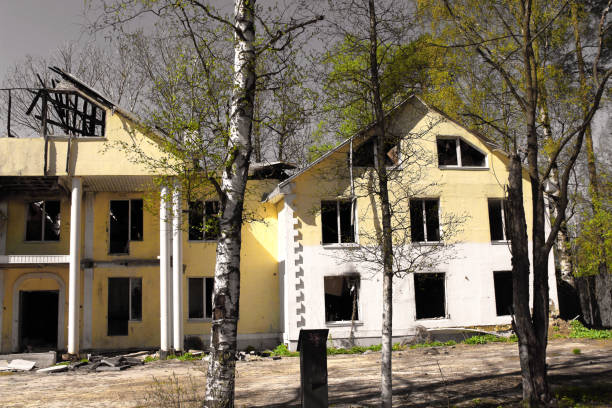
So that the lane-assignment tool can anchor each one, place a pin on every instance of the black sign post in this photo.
(312, 345)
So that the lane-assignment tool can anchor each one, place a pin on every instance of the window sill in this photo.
(505, 242)
(463, 168)
(346, 245)
(428, 243)
(344, 323)
(433, 318)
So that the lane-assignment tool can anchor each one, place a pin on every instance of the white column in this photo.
(163, 272)
(74, 267)
(88, 271)
(177, 271)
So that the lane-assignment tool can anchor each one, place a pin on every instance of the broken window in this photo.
(124, 304)
(424, 220)
(341, 298)
(457, 152)
(364, 155)
(200, 298)
(429, 295)
(125, 225)
(498, 219)
(43, 221)
(337, 221)
(203, 220)
(503, 292)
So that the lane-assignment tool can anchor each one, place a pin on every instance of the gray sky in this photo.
(37, 27)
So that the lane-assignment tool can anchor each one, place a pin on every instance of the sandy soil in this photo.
(422, 378)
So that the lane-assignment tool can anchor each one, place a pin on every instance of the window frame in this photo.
(338, 323)
(503, 203)
(424, 215)
(42, 228)
(445, 286)
(338, 224)
(459, 166)
(129, 229)
(204, 215)
(207, 305)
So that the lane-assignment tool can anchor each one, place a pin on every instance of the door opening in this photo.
(38, 320)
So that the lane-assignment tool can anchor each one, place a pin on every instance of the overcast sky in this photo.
(37, 27)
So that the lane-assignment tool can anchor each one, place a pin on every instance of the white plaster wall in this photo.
(470, 293)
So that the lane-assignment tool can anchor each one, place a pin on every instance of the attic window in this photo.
(363, 156)
(456, 152)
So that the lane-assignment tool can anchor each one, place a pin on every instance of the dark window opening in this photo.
(447, 152)
(503, 292)
(498, 219)
(424, 220)
(341, 298)
(43, 221)
(364, 154)
(470, 156)
(38, 314)
(203, 220)
(126, 220)
(429, 295)
(200, 298)
(337, 222)
(466, 156)
(124, 304)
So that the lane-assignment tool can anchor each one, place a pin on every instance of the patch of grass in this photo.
(184, 357)
(598, 395)
(490, 338)
(433, 344)
(150, 359)
(283, 351)
(83, 360)
(578, 331)
(576, 351)
(61, 363)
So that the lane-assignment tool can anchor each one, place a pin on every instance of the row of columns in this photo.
(170, 272)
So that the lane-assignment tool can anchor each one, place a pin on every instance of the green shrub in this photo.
(576, 351)
(490, 338)
(578, 331)
(283, 351)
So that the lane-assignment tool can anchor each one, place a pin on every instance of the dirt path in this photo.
(424, 377)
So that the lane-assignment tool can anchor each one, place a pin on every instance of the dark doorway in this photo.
(38, 313)
(118, 306)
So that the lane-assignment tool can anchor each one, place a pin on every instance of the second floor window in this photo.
(337, 222)
(43, 221)
(125, 225)
(498, 219)
(456, 152)
(424, 220)
(203, 220)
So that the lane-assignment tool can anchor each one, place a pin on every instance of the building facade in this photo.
(93, 256)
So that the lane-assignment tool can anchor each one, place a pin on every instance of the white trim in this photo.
(34, 259)
(60, 307)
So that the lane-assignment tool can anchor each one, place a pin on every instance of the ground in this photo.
(463, 375)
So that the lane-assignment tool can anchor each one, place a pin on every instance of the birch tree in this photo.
(504, 37)
(201, 24)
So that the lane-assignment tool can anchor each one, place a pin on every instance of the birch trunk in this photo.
(220, 378)
(386, 395)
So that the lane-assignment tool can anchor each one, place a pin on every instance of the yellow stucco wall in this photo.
(462, 192)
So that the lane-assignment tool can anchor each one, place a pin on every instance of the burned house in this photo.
(85, 264)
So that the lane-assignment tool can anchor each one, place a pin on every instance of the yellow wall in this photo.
(462, 192)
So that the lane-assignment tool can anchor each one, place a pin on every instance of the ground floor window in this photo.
(429, 295)
(503, 292)
(200, 298)
(124, 304)
(341, 298)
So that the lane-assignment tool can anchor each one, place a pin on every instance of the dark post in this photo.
(312, 345)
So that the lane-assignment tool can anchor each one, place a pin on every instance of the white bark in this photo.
(221, 369)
